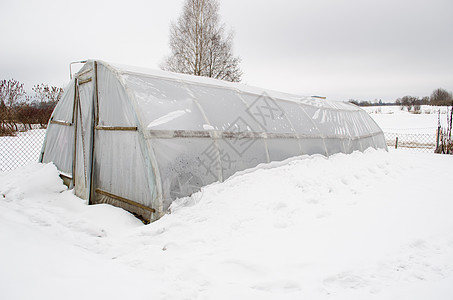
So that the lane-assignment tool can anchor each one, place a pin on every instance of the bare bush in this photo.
(413, 104)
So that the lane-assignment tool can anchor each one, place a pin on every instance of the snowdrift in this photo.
(372, 225)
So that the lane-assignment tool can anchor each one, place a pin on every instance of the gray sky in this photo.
(342, 49)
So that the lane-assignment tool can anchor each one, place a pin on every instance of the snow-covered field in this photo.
(374, 225)
(395, 120)
(415, 131)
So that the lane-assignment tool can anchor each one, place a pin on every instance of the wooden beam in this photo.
(216, 134)
(64, 123)
(84, 81)
(116, 128)
(119, 198)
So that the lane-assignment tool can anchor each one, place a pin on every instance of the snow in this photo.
(396, 120)
(16, 151)
(373, 225)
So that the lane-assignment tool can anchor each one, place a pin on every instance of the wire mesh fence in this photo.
(21, 149)
(412, 141)
(25, 147)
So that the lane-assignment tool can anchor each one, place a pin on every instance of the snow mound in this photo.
(371, 225)
(28, 181)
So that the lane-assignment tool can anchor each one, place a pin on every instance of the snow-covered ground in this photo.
(393, 119)
(20, 150)
(374, 225)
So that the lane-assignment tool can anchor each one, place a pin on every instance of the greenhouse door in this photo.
(83, 137)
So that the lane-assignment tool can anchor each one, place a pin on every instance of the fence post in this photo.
(396, 143)
(437, 137)
(451, 119)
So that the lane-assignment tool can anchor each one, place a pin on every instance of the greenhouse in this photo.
(139, 139)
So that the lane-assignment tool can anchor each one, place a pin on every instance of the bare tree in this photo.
(199, 45)
(441, 97)
(46, 93)
(10, 93)
(47, 97)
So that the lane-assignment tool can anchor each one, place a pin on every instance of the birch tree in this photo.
(200, 45)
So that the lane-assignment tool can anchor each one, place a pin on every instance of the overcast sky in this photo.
(342, 49)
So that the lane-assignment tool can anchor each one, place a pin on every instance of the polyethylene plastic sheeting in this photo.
(121, 168)
(58, 146)
(298, 118)
(240, 154)
(224, 109)
(281, 149)
(63, 111)
(311, 146)
(84, 140)
(122, 164)
(185, 165)
(115, 107)
(161, 136)
(164, 104)
(243, 127)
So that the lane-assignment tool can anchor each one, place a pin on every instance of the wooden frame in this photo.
(59, 122)
(116, 128)
(121, 199)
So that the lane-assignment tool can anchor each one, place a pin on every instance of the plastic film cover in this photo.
(165, 104)
(121, 168)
